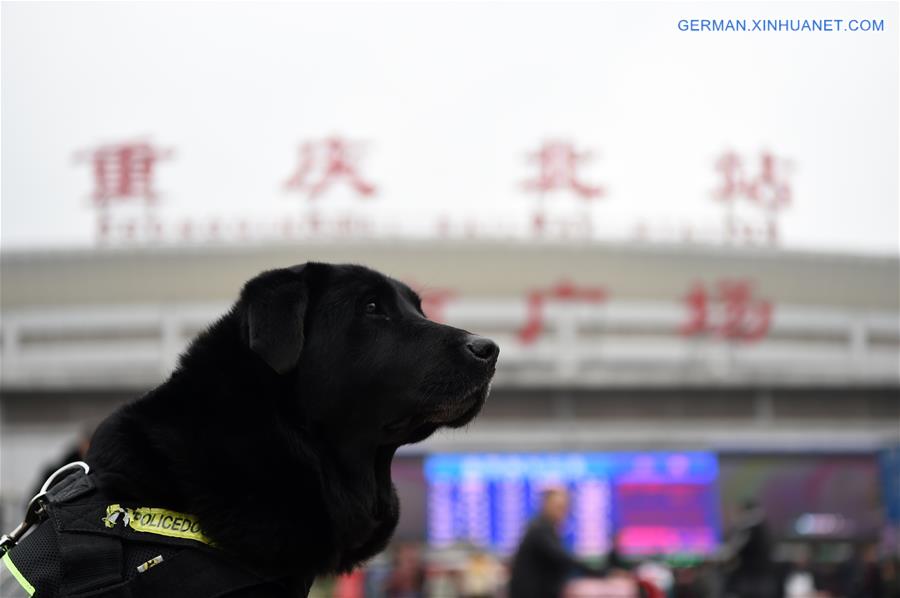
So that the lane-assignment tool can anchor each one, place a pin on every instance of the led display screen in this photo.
(653, 503)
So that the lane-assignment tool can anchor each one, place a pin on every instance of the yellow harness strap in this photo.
(162, 522)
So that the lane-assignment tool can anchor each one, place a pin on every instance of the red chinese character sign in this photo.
(558, 170)
(324, 163)
(765, 187)
(124, 173)
(753, 193)
(730, 311)
(564, 291)
(326, 166)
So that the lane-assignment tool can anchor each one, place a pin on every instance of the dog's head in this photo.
(363, 357)
(303, 391)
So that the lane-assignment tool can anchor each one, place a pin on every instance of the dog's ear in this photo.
(275, 307)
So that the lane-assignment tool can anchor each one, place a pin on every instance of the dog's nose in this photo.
(483, 348)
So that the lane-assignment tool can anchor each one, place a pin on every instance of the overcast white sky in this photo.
(448, 99)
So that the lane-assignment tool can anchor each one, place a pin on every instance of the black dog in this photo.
(278, 427)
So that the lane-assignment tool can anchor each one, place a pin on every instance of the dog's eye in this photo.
(373, 307)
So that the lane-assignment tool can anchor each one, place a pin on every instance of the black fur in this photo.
(278, 427)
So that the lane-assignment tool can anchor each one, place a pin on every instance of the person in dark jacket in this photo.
(755, 575)
(542, 564)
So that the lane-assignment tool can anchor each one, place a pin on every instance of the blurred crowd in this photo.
(541, 568)
(410, 570)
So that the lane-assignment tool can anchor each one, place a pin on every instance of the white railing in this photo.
(614, 343)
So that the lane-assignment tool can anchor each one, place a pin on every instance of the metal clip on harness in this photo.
(35, 511)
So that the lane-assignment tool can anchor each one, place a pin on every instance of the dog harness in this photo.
(83, 545)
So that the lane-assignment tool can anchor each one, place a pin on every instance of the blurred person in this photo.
(378, 571)
(800, 581)
(350, 585)
(686, 583)
(863, 578)
(653, 574)
(482, 576)
(702, 580)
(444, 571)
(407, 578)
(647, 589)
(800, 584)
(890, 573)
(754, 575)
(542, 564)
